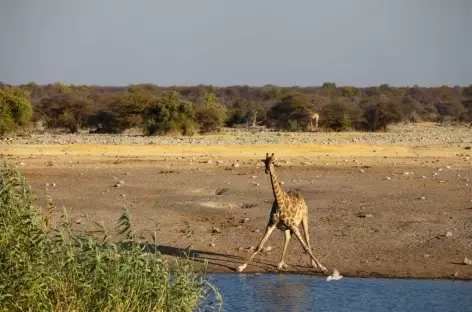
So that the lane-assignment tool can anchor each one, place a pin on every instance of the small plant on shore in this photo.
(49, 268)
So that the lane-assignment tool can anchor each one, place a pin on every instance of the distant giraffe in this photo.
(315, 117)
(288, 210)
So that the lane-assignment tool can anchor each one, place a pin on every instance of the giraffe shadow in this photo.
(212, 258)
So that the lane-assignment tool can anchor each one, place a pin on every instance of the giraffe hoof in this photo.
(241, 268)
(313, 263)
(282, 266)
(322, 268)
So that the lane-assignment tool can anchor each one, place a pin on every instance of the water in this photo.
(274, 293)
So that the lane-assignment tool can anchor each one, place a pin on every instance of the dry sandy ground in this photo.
(382, 210)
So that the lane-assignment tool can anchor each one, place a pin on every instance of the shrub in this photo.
(380, 115)
(15, 110)
(340, 115)
(169, 115)
(49, 268)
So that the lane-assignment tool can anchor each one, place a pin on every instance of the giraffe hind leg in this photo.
(307, 237)
(304, 245)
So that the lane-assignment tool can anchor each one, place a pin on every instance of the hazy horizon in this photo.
(305, 43)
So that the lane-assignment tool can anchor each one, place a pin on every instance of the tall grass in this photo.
(44, 267)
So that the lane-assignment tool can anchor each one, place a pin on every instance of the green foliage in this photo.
(245, 111)
(340, 115)
(49, 268)
(71, 111)
(467, 92)
(274, 93)
(212, 115)
(331, 86)
(15, 109)
(349, 91)
(379, 116)
(169, 115)
(292, 112)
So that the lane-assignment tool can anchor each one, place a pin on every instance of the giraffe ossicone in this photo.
(288, 211)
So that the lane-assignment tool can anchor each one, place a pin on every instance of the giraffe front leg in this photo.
(268, 231)
(281, 265)
(304, 245)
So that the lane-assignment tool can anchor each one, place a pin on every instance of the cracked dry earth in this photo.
(368, 216)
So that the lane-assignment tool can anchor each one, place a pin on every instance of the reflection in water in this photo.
(293, 293)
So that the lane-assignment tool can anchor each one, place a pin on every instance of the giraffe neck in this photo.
(278, 192)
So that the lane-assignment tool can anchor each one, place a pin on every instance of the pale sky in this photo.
(231, 42)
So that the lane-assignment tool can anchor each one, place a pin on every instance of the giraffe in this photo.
(288, 211)
(316, 118)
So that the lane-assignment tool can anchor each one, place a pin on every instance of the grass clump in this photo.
(44, 267)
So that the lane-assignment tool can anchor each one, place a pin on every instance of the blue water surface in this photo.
(273, 293)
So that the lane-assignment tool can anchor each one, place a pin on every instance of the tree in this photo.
(292, 112)
(380, 115)
(15, 110)
(212, 115)
(169, 114)
(340, 115)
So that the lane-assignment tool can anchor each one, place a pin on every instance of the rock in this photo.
(449, 234)
(236, 165)
(267, 249)
(212, 244)
(422, 198)
(467, 261)
(215, 230)
(388, 178)
(364, 215)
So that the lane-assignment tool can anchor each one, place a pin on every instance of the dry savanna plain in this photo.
(394, 204)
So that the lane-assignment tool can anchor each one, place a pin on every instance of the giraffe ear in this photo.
(272, 155)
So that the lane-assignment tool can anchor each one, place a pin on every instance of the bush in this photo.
(48, 268)
(169, 115)
(380, 115)
(340, 115)
(15, 110)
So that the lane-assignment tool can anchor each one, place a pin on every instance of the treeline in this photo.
(187, 110)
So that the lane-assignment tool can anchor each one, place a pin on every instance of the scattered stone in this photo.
(388, 178)
(254, 177)
(422, 198)
(467, 261)
(209, 161)
(364, 215)
(215, 230)
(236, 165)
(449, 234)
(267, 249)
(212, 245)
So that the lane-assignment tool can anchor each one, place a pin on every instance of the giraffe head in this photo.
(268, 161)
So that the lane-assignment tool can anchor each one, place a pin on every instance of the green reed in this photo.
(46, 267)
